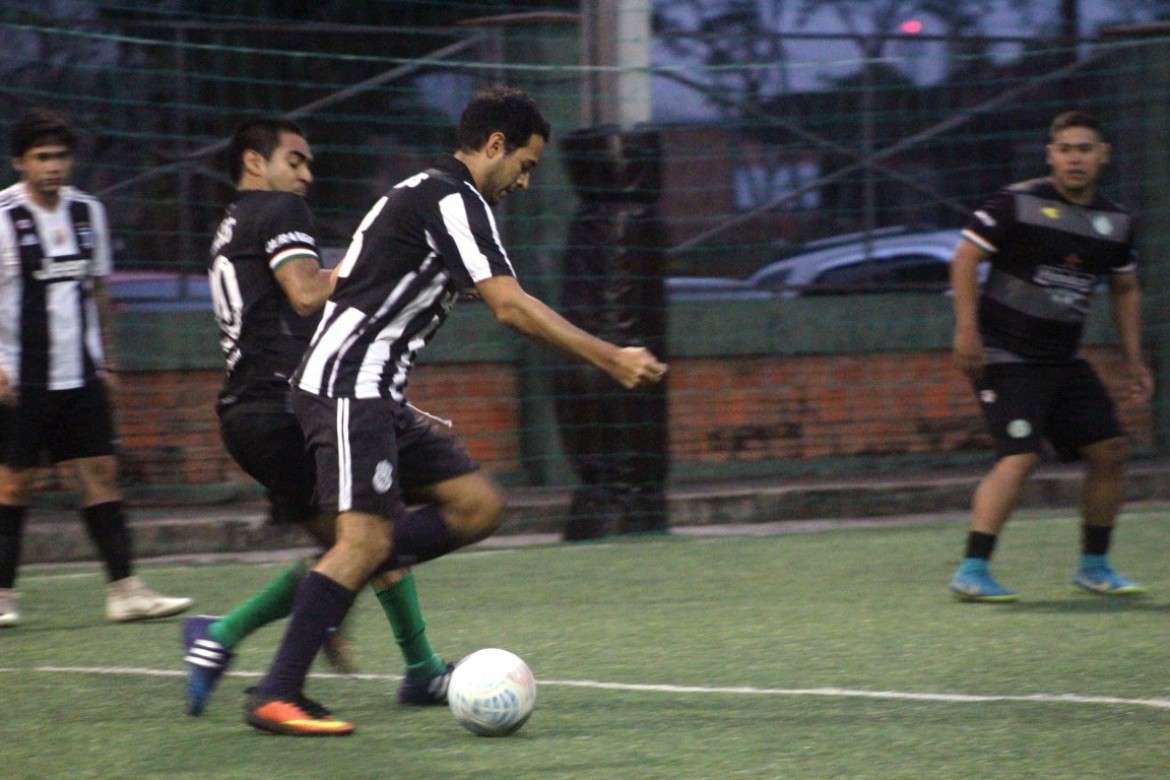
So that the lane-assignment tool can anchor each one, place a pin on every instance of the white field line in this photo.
(835, 693)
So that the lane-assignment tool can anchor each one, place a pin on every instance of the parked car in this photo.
(887, 260)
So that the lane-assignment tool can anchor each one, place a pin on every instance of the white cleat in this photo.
(130, 599)
(9, 614)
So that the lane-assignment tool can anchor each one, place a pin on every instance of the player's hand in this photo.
(637, 366)
(9, 395)
(110, 380)
(1140, 382)
(967, 353)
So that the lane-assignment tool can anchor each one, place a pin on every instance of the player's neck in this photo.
(45, 200)
(1080, 197)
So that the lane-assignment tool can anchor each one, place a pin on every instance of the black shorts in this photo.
(265, 439)
(373, 455)
(66, 424)
(1025, 404)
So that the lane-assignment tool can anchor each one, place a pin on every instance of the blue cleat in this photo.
(973, 582)
(205, 661)
(1097, 576)
(425, 692)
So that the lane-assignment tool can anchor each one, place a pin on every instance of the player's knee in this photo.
(485, 512)
(15, 487)
(1108, 454)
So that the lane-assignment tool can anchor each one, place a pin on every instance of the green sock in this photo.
(400, 603)
(274, 602)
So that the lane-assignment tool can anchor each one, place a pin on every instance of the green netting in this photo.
(770, 141)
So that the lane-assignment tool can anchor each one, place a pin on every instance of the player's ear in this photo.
(496, 145)
(253, 162)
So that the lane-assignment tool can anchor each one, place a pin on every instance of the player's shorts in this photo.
(1025, 404)
(374, 454)
(66, 424)
(265, 439)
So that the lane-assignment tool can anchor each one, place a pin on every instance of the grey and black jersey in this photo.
(50, 335)
(430, 237)
(1047, 256)
(262, 336)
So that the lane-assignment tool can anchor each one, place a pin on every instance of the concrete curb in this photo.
(57, 536)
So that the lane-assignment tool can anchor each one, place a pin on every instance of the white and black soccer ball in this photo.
(492, 692)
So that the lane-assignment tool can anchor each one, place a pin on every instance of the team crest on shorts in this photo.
(1018, 429)
(383, 476)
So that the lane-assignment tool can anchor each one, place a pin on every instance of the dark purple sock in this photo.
(319, 608)
(421, 535)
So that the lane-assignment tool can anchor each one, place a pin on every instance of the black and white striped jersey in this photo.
(1047, 257)
(427, 239)
(262, 337)
(50, 336)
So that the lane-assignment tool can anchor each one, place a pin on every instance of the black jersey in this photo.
(1047, 256)
(50, 336)
(431, 236)
(262, 337)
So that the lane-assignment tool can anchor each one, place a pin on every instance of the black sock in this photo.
(320, 607)
(107, 529)
(980, 545)
(1095, 539)
(421, 535)
(11, 535)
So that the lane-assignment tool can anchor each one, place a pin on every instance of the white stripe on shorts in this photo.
(344, 472)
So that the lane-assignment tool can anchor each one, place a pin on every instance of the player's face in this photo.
(45, 170)
(289, 167)
(1076, 156)
(512, 171)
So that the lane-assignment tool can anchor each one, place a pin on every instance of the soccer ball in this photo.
(492, 692)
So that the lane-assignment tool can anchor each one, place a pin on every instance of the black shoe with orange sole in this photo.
(297, 716)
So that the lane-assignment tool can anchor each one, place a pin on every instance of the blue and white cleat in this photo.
(205, 661)
(975, 583)
(1098, 577)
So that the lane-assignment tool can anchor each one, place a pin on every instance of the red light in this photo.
(911, 27)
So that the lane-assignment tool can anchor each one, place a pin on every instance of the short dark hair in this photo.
(261, 135)
(501, 109)
(41, 127)
(1075, 119)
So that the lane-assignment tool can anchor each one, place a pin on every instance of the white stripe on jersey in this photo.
(369, 378)
(455, 220)
(344, 458)
(330, 333)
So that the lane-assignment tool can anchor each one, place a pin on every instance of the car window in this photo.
(913, 272)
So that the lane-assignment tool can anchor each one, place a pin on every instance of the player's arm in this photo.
(967, 346)
(306, 284)
(629, 366)
(9, 273)
(1125, 299)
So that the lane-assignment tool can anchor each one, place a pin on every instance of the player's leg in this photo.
(1014, 401)
(103, 513)
(427, 674)
(323, 599)
(1087, 428)
(21, 432)
(363, 487)
(459, 505)
(266, 441)
(15, 491)
(82, 437)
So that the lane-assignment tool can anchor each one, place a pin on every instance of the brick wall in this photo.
(722, 411)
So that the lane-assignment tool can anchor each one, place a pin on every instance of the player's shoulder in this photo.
(1041, 187)
(11, 195)
(263, 202)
